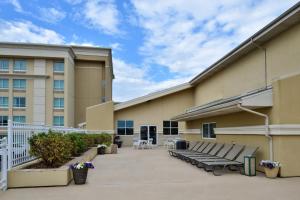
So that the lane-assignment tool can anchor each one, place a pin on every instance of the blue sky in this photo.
(156, 44)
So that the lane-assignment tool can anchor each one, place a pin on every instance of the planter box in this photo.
(21, 177)
(112, 149)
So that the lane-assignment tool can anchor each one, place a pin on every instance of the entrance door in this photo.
(148, 132)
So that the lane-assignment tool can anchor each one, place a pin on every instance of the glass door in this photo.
(147, 132)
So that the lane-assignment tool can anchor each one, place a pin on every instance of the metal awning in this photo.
(253, 100)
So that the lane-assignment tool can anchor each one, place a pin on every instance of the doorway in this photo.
(147, 132)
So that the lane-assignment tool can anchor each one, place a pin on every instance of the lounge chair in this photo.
(191, 148)
(238, 162)
(212, 152)
(227, 154)
(204, 151)
(199, 150)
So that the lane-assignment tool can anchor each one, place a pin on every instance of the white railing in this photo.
(3, 163)
(18, 135)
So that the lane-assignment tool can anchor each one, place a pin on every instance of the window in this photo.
(3, 120)
(19, 102)
(58, 121)
(20, 65)
(58, 85)
(208, 130)
(4, 64)
(170, 128)
(20, 119)
(58, 103)
(3, 83)
(3, 102)
(58, 66)
(125, 127)
(19, 84)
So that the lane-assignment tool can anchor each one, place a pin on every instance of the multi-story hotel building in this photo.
(52, 84)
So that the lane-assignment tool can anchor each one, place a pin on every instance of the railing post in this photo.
(9, 143)
(4, 165)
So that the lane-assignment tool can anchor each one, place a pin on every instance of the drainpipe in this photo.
(267, 127)
(265, 60)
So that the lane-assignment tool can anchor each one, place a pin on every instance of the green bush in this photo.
(103, 138)
(78, 144)
(53, 148)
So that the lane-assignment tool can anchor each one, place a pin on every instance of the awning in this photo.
(252, 100)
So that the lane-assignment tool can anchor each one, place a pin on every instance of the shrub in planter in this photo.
(88, 139)
(53, 148)
(80, 171)
(78, 144)
(103, 138)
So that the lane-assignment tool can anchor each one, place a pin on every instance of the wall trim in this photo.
(275, 129)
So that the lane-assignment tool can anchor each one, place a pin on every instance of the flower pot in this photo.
(101, 150)
(271, 173)
(80, 175)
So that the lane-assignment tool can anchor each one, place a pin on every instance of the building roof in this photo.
(152, 96)
(255, 99)
(280, 24)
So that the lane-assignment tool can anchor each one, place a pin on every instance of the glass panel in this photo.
(58, 67)
(166, 131)
(3, 101)
(121, 131)
(59, 84)
(205, 131)
(4, 83)
(152, 133)
(121, 124)
(167, 123)
(20, 119)
(58, 120)
(174, 124)
(174, 131)
(211, 130)
(19, 83)
(129, 124)
(4, 64)
(129, 131)
(3, 120)
(20, 65)
(144, 133)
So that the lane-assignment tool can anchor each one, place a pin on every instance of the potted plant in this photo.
(80, 171)
(101, 149)
(271, 168)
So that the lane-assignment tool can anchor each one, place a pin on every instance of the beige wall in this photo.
(69, 94)
(100, 117)
(247, 73)
(88, 90)
(154, 112)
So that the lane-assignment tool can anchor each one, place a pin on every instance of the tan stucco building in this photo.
(250, 96)
(51, 84)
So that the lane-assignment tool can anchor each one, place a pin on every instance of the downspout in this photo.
(265, 60)
(267, 127)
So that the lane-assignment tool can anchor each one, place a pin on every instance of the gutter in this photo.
(267, 127)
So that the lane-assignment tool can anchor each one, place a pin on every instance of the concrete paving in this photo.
(153, 174)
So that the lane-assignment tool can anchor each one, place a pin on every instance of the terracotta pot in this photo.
(271, 173)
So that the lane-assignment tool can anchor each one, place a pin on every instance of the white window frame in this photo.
(2, 116)
(4, 79)
(170, 128)
(2, 106)
(58, 71)
(20, 70)
(19, 88)
(61, 102)
(61, 117)
(60, 83)
(3, 60)
(125, 127)
(19, 116)
(202, 130)
(19, 106)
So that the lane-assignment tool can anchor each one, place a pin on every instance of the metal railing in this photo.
(3, 161)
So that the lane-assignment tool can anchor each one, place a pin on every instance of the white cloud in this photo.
(102, 15)
(25, 31)
(188, 36)
(116, 46)
(131, 81)
(51, 15)
(16, 5)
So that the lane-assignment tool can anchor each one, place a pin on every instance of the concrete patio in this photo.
(153, 174)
